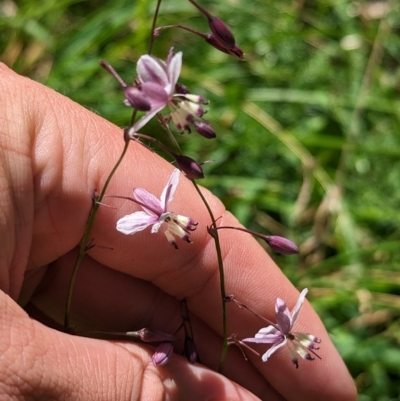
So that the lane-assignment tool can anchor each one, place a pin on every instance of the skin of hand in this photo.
(53, 155)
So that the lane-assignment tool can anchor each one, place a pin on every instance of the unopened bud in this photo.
(149, 336)
(205, 130)
(235, 51)
(182, 89)
(190, 350)
(222, 33)
(162, 354)
(281, 244)
(136, 98)
(189, 166)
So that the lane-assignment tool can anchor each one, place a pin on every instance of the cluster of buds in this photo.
(220, 37)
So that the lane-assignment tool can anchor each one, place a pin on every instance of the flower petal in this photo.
(169, 190)
(150, 69)
(283, 317)
(299, 303)
(135, 222)
(267, 330)
(144, 120)
(273, 349)
(265, 339)
(155, 207)
(173, 71)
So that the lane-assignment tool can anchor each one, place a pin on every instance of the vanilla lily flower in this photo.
(301, 344)
(157, 82)
(155, 214)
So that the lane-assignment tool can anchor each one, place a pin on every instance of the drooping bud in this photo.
(190, 350)
(136, 98)
(205, 129)
(189, 166)
(235, 51)
(221, 32)
(280, 244)
(162, 354)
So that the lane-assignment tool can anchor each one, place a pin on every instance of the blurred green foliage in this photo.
(308, 134)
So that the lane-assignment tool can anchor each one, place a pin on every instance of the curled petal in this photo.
(273, 349)
(299, 303)
(144, 120)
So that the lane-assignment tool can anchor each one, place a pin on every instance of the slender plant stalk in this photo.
(221, 281)
(153, 26)
(85, 240)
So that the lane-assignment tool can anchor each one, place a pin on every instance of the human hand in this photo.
(54, 154)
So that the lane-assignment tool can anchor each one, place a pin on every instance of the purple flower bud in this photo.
(281, 244)
(205, 130)
(162, 354)
(190, 350)
(136, 98)
(182, 89)
(148, 335)
(221, 32)
(235, 51)
(189, 166)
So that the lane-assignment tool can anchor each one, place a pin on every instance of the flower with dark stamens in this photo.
(162, 354)
(155, 214)
(158, 82)
(301, 344)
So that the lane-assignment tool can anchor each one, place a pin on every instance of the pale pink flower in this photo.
(155, 214)
(301, 344)
(157, 82)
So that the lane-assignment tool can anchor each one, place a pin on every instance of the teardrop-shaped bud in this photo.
(235, 51)
(281, 244)
(149, 335)
(190, 350)
(189, 166)
(136, 98)
(221, 32)
(162, 354)
(205, 129)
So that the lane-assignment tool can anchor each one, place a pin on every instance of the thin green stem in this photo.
(85, 240)
(153, 26)
(221, 279)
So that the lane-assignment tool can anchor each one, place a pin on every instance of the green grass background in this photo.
(308, 135)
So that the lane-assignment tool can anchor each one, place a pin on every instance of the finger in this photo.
(107, 300)
(191, 271)
(41, 363)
